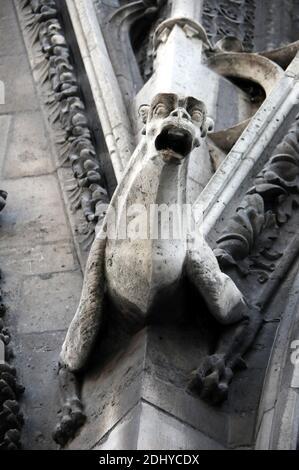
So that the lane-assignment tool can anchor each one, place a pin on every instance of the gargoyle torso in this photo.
(140, 265)
(147, 253)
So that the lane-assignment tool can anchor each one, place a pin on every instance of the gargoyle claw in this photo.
(211, 381)
(71, 421)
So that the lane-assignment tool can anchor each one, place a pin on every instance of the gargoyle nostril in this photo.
(180, 113)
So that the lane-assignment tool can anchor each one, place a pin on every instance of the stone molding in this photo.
(103, 82)
(249, 149)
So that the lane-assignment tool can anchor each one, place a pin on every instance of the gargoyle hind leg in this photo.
(78, 343)
(227, 304)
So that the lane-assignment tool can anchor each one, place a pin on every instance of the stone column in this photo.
(186, 8)
(178, 44)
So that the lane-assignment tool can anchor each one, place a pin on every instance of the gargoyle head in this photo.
(175, 125)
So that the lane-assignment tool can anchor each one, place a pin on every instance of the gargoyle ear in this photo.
(143, 112)
(207, 127)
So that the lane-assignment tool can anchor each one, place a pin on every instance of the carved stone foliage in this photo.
(11, 419)
(265, 25)
(230, 18)
(68, 113)
(247, 241)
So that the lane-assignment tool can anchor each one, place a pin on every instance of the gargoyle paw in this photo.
(211, 380)
(71, 421)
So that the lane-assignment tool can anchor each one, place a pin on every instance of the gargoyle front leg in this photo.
(212, 379)
(72, 414)
(227, 305)
(216, 373)
(79, 341)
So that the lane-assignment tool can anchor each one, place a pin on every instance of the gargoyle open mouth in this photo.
(174, 142)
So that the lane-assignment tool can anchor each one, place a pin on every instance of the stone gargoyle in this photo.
(134, 273)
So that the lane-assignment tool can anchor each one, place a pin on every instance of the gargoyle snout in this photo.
(180, 113)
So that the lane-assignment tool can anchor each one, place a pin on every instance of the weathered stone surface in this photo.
(111, 391)
(29, 152)
(36, 360)
(19, 89)
(10, 37)
(124, 436)
(148, 370)
(77, 220)
(36, 245)
(148, 428)
(49, 302)
(248, 155)
(36, 212)
(168, 368)
(103, 83)
(39, 259)
(264, 435)
(5, 123)
(277, 423)
(6, 10)
(160, 431)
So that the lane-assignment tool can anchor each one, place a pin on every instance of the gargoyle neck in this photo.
(149, 180)
(172, 184)
(167, 180)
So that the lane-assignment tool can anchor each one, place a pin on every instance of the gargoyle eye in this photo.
(160, 110)
(197, 115)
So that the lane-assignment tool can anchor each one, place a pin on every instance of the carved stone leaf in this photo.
(268, 205)
(244, 228)
(269, 233)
